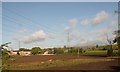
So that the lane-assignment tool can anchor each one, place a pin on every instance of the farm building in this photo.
(25, 53)
(14, 52)
(22, 53)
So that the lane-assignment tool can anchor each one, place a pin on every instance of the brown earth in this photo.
(106, 65)
(40, 58)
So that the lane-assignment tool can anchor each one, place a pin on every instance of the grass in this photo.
(96, 52)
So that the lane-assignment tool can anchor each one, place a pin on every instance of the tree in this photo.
(58, 51)
(110, 50)
(36, 50)
(65, 46)
(97, 46)
(117, 39)
(118, 43)
(5, 56)
(18, 53)
(5, 59)
(50, 51)
(23, 49)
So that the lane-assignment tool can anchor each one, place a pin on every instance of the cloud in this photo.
(51, 35)
(90, 42)
(99, 37)
(101, 34)
(75, 35)
(67, 29)
(37, 36)
(114, 25)
(23, 30)
(100, 17)
(96, 42)
(73, 22)
(71, 25)
(85, 21)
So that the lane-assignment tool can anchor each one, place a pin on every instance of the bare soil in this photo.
(106, 65)
(40, 58)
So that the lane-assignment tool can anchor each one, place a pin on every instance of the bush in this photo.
(116, 54)
(84, 51)
(109, 52)
(58, 51)
(50, 52)
(36, 50)
(104, 49)
(75, 51)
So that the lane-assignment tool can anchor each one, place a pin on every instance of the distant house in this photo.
(46, 53)
(22, 53)
(25, 53)
(14, 52)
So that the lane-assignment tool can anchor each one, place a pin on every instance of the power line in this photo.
(19, 45)
(7, 27)
(15, 21)
(26, 18)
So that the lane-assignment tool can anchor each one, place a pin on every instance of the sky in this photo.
(47, 24)
(60, 0)
(0, 22)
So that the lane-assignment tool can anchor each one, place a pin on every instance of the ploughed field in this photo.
(40, 58)
(62, 62)
(100, 65)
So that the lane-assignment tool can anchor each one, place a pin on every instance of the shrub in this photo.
(36, 50)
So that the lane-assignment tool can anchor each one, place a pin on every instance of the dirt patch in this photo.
(107, 64)
(41, 58)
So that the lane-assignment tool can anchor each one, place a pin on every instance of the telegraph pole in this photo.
(78, 51)
(19, 45)
(68, 39)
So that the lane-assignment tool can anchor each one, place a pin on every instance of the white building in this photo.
(25, 53)
(14, 52)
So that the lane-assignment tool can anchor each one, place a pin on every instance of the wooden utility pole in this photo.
(19, 45)
(78, 52)
(68, 39)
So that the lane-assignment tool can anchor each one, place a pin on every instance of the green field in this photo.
(98, 52)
